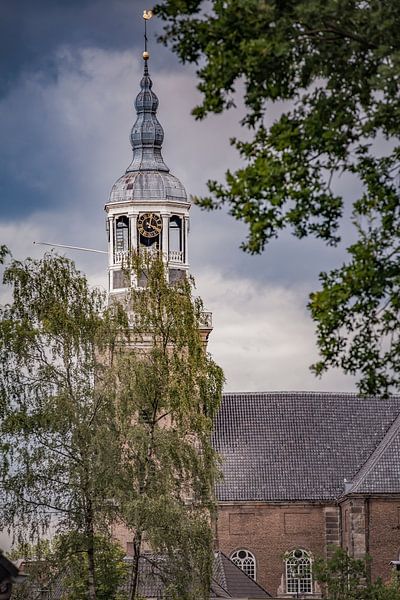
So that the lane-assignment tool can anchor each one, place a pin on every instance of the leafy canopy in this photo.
(61, 567)
(106, 417)
(167, 467)
(334, 65)
(345, 578)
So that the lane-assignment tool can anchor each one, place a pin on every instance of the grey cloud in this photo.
(81, 124)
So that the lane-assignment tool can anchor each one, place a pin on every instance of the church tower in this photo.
(148, 208)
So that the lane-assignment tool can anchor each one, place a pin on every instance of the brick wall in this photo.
(269, 531)
(384, 534)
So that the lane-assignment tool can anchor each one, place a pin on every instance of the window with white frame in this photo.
(298, 571)
(246, 561)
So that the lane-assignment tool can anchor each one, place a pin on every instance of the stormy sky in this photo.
(69, 74)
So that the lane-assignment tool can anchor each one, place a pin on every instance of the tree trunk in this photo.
(134, 582)
(92, 595)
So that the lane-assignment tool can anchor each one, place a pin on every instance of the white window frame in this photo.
(246, 561)
(298, 572)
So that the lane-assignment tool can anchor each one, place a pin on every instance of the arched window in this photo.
(298, 571)
(122, 234)
(246, 561)
(175, 234)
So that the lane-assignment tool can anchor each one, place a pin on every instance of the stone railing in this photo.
(206, 320)
(176, 256)
(120, 257)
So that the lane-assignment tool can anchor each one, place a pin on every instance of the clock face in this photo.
(149, 225)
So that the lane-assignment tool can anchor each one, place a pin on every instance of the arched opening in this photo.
(121, 237)
(298, 572)
(175, 239)
(246, 561)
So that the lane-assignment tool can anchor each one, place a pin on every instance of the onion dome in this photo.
(147, 135)
(147, 177)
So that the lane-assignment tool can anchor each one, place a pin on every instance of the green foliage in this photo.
(110, 569)
(106, 416)
(57, 421)
(357, 311)
(342, 577)
(62, 564)
(346, 578)
(56, 417)
(173, 387)
(335, 67)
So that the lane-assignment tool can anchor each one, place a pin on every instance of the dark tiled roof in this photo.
(381, 472)
(228, 581)
(150, 584)
(297, 445)
(234, 581)
(217, 591)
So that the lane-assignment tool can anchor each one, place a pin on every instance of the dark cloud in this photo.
(65, 142)
(32, 31)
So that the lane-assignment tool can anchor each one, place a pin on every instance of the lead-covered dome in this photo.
(147, 177)
(147, 185)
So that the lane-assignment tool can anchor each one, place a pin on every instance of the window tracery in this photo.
(298, 572)
(246, 561)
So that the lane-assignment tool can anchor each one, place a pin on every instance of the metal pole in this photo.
(71, 247)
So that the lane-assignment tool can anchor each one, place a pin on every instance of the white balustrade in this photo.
(120, 257)
(176, 256)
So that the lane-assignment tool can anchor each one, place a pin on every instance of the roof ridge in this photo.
(222, 570)
(375, 455)
(217, 583)
(312, 393)
(307, 392)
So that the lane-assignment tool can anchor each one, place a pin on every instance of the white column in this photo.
(165, 237)
(110, 250)
(134, 242)
(111, 241)
(185, 239)
(133, 231)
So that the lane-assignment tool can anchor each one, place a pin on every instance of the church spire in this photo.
(148, 208)
(147, 135)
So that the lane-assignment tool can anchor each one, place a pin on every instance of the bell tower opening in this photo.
(175, 237)
(122, 235)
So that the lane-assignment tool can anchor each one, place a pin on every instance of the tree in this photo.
(346, 578)
(336, 66)
(106, 416)
(61, 564)
(57, 421)
(110, 569)
(168, 466)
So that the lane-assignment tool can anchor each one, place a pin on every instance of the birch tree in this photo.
(173, 387)
(57, 444)
(107, 410)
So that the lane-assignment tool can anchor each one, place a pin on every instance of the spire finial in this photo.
(147, 134)
(147, 14)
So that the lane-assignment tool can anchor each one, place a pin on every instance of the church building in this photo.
(303, 472)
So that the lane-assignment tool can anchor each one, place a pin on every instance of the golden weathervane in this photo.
(147, 14)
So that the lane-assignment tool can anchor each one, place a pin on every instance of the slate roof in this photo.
(228, 580)
(234, 581)
(287, 446)
(381, 472)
